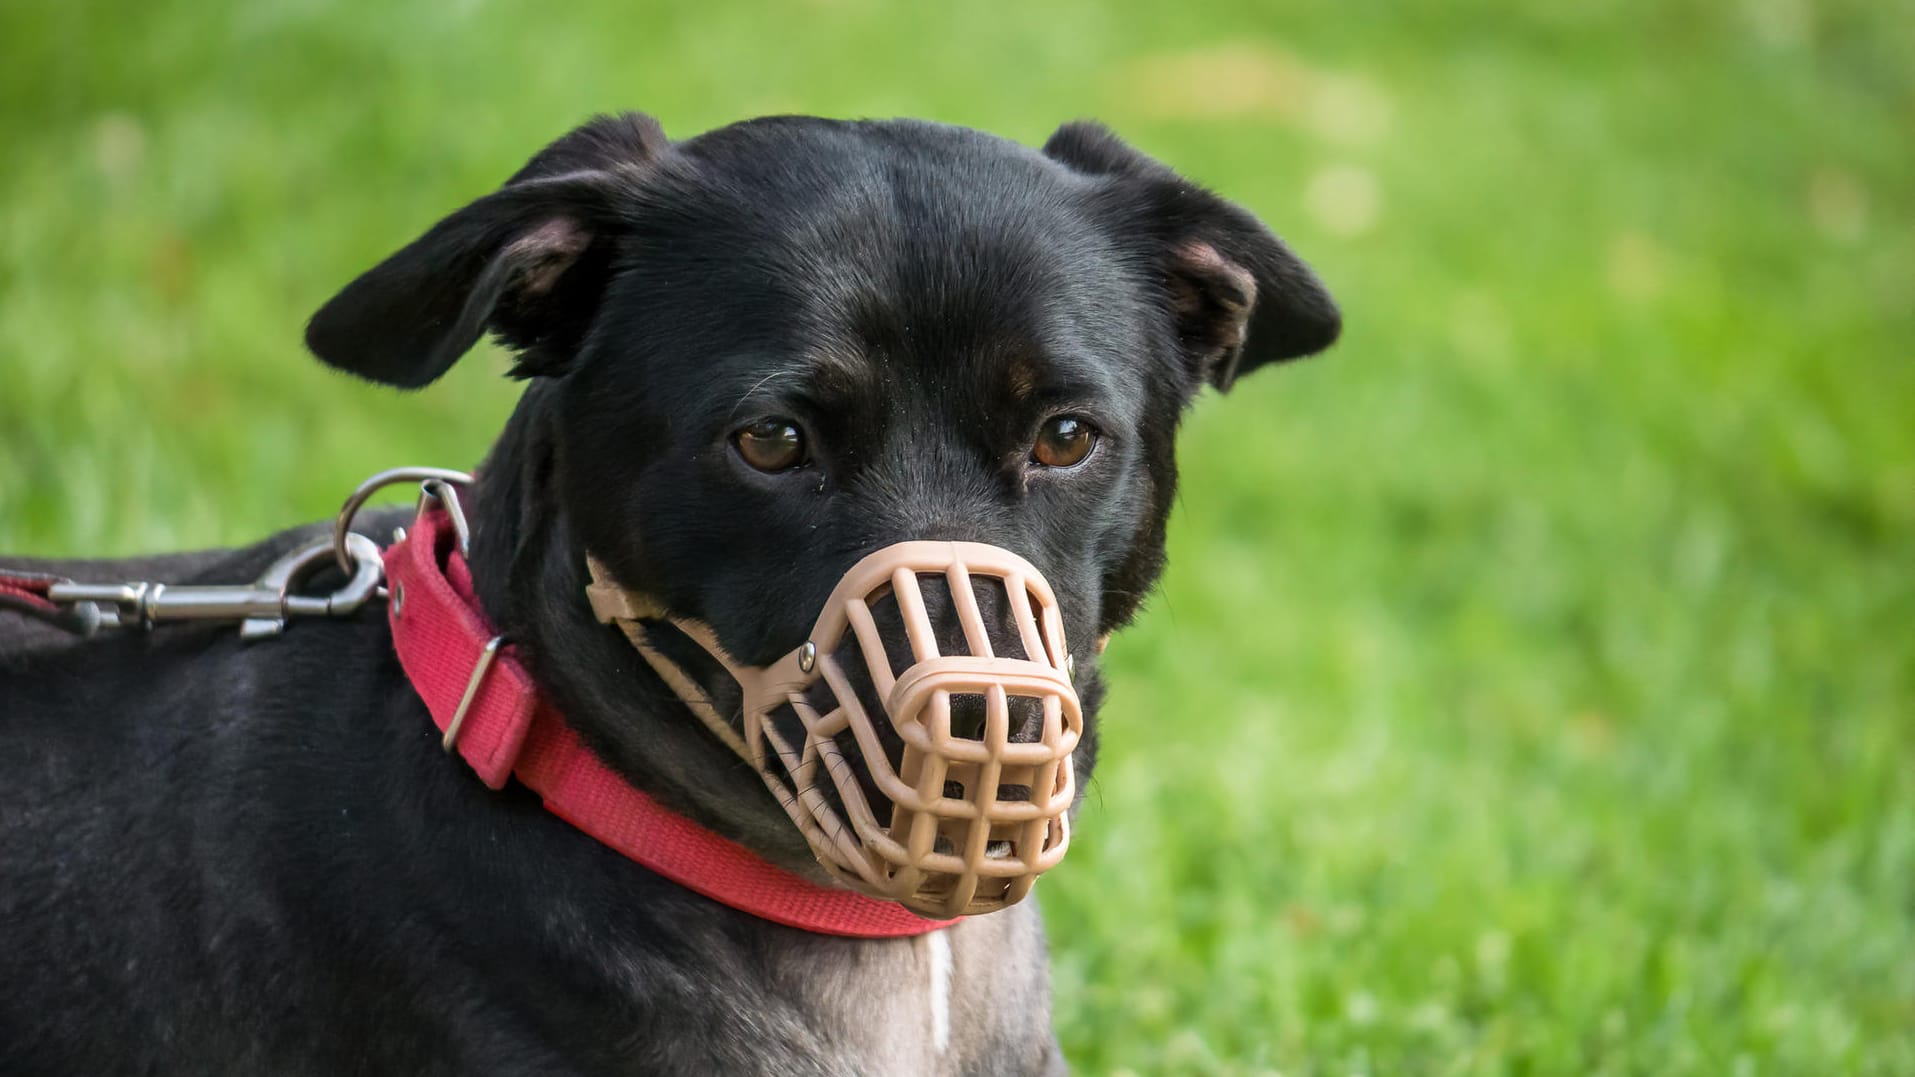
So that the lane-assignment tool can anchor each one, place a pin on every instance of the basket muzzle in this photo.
(977, 805)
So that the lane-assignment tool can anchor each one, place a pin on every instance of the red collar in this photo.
(509, 732)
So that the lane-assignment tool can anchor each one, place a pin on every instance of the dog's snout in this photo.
(932, 618)
(942, 609)
(1003, 638)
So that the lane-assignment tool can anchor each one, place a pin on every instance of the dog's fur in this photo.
(226, 857)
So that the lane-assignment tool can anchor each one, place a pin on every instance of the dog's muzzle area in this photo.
(969, 711)
(921, 737)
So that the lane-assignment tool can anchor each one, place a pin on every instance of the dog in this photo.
(751, 358)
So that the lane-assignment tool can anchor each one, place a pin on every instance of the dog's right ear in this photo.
(528, 262)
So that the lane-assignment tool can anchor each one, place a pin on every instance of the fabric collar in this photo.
(505, 730)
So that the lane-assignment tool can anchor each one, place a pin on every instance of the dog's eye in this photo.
(1064, 442)
(771, 445)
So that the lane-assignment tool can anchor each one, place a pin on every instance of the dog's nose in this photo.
(968, 713)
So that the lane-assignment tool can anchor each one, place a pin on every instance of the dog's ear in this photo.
(529, 262)
(1241, 299)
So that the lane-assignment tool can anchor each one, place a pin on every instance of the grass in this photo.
(1533, 689)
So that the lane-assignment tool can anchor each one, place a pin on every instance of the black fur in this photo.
(226, 857)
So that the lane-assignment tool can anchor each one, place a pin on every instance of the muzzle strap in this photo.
(613, 604)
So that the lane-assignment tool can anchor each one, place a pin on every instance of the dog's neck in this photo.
(528, 567)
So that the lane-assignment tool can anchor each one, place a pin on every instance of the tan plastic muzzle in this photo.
(973, 820)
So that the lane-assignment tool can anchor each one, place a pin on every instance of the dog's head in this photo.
(768, 351)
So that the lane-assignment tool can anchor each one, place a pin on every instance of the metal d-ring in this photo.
(444, 478)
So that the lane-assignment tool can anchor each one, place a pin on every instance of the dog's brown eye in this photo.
(771, 445)
(1064, 442)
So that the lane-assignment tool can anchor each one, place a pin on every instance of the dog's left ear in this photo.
(529, 262)
(1241, 299)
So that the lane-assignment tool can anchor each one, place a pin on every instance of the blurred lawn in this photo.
(1532, 688)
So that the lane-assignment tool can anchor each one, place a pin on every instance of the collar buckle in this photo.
(472, 685)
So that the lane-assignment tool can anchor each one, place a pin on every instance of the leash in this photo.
(478, 692)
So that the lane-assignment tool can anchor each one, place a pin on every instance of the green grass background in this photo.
(1531, 691)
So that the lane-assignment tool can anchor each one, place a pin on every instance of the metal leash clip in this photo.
(262, 607)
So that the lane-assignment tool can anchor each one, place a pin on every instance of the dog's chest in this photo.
(971, 999)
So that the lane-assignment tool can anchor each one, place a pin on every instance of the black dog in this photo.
(752, 358)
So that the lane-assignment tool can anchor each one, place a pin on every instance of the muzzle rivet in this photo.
(807, 657)
(398, 599)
